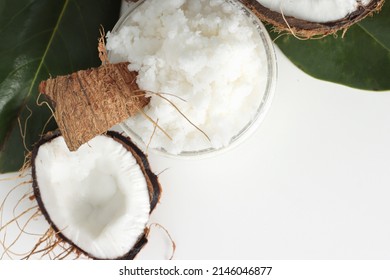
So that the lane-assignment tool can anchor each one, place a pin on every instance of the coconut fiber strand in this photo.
(89, 102)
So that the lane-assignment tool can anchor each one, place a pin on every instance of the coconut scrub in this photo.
(207, 57)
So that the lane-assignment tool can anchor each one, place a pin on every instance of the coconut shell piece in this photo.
(306, 29)
(153, 185)
(89, 102)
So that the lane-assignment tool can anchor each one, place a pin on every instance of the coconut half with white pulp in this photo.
(98, 198)
(308, 18)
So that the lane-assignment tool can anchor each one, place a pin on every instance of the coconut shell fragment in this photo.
(89, 102)
(307, 29)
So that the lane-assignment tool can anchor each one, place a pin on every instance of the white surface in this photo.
(312, 183)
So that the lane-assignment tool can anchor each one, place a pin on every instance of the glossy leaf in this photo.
(360, 59)
(39, 39)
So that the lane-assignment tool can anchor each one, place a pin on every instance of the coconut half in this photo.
(308, 18)
(98, 198)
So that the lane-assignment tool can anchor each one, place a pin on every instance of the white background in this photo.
(312, 183)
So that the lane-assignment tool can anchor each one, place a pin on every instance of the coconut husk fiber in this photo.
(89, 102)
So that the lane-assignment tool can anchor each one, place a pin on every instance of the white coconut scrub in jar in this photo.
(211, 58)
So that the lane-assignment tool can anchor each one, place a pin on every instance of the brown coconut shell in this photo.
(89, 102)
(306, 29)
(153, 184)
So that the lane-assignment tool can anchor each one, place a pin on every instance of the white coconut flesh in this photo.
(314, 10)
(97, 196)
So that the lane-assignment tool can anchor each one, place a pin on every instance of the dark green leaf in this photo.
(42, 38)
(360, 59)
(378, 27)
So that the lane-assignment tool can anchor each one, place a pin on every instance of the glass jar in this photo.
(265, 96)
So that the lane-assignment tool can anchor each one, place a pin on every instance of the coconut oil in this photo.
(206, 66)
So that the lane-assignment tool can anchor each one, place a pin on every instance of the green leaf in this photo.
(39, 39)
(360, 59)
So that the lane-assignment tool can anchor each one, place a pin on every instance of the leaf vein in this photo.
(15, 16)
(25, 41)
(48, 47)
(18, 68)
(373, 37)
